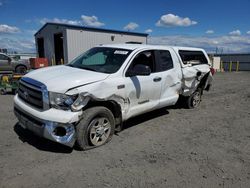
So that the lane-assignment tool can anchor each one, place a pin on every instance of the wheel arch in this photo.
(20, 65)
(203, 82)
(113, 106)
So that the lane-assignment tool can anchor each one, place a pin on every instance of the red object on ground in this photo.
(212, 70)
(36, 63)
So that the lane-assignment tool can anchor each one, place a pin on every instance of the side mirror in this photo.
(139, 70)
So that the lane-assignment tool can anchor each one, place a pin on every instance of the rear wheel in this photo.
(194, 100)
(21, 69)
(96, 128)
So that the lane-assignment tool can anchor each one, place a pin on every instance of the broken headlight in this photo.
(67, 102)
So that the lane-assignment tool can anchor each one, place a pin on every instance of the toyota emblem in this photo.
(26, 95)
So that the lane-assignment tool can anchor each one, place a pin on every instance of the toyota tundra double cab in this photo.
(85, 101)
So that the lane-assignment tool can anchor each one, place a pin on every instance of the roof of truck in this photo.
(146, 46)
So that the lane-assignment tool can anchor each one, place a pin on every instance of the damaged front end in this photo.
(63, 133)
(58, 124)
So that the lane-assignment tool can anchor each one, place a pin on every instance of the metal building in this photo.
(242, 59)
(61, 43)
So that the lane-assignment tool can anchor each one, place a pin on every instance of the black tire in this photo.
(3, 91)
(194, 100)
(91, 128)
(21, 69)
(14, 91)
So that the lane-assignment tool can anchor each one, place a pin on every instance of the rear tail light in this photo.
(212, 70)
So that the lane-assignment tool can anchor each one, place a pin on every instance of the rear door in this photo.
(168, 65)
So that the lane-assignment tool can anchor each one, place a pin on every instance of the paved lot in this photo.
(173, 147)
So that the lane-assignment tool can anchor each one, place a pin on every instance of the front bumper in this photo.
(53, 124)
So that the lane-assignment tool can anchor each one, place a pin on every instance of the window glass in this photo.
(193, 57)
(165, 61)
(101, 59)
(3, 57)
(96, 59)
(144, 58)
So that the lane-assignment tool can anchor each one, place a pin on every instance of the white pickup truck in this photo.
(86, 101)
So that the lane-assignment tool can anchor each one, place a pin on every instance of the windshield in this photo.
(101, 59)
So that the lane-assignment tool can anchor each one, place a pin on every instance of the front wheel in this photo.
(194, 100)
(96, 128)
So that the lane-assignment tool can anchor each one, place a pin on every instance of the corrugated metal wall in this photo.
(79, 40)
(243, 59)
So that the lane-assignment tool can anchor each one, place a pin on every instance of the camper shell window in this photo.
(193, 57)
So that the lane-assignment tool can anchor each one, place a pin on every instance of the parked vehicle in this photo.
(8, 64)
(9, 83)
(87, 100)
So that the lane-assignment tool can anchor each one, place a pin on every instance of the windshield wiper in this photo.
(87, 68)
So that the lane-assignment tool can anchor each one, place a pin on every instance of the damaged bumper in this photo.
(59, 129)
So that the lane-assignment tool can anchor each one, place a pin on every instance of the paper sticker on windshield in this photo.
(121, 52)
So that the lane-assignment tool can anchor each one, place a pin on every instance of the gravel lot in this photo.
(173, 147)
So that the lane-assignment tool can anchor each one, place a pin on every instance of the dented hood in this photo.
(62, 78)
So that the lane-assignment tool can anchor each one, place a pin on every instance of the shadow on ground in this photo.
(40, 143)
(181, 104)
(50, 146)
(144, 117)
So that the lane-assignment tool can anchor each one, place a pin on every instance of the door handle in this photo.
(157, 79)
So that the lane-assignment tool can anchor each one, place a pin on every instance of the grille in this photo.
(31, 93)
(31, 119)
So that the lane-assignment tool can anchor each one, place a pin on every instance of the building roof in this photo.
(79, 27)
(233, 54)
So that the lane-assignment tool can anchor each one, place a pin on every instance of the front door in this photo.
(143, 92)
(5, 64)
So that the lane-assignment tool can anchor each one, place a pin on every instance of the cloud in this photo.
(1, 3)
(57, 20)
(210, 32)
(170, 20)
(8, 29)
(131, 26)
(19, 45)
(148, 31)
(91, 21)
(235, 33)
(229, 44)
(248, 32)
(31, 31)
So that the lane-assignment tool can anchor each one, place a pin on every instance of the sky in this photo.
(221, 26)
